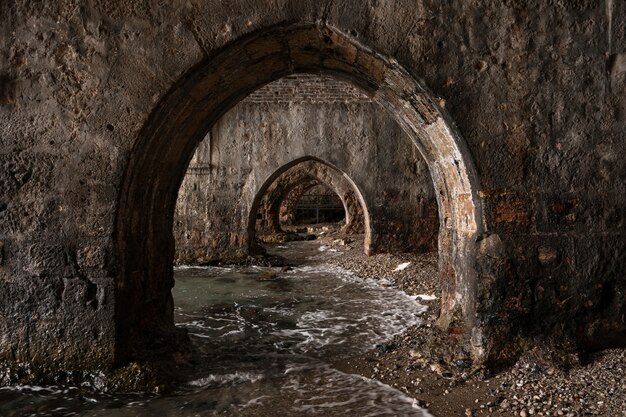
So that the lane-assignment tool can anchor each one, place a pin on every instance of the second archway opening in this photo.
(306, 218)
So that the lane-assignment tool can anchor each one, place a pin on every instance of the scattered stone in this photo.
(402, 266)
(426, 297)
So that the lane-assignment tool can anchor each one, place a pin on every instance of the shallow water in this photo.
(269, 341)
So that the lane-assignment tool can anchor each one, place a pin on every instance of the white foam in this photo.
(255, 401)
(221, 379)
(53, 390)
(386, 312)
(426, 297)
(354, 395)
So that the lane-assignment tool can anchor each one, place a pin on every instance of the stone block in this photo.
(91, 257)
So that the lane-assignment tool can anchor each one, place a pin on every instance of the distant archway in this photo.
(302, 171)
(287, 209)
(144, 244)
(354, 216)
(318, 205)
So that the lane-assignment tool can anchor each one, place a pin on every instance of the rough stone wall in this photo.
(536, 88)
(289, 119)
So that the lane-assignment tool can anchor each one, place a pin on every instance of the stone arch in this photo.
(143, 242)
(307, 170)
(288, 205)
(286, 199)
(355, 218)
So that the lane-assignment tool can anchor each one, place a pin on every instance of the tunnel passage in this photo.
(271, 219)
(354, 218)
(317, 204)
(288, 184)
(144, 242)
(288, 207)
(542, 111)
(289, 119)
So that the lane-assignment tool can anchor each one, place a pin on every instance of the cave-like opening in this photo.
(144, 243)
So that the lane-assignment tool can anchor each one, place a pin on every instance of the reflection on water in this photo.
(268, 338)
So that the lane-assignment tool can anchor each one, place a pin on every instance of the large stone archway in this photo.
(144, 245)
(302, 171)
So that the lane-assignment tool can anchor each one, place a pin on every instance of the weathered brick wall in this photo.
(308, 88)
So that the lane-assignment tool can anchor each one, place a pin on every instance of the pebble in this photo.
(532, 387)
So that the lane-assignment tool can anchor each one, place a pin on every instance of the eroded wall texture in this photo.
(292, 118)
(536, 88)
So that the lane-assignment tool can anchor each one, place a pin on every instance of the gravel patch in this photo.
(419, 277)
(427, 364)
(533, 387)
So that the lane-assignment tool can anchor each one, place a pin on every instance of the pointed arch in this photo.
(337, 181)
(143, 242)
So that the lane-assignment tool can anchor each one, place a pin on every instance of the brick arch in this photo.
(143, 241)
(302, 171)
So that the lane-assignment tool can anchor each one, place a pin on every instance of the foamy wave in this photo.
(386, 312)
(221, 379)
(353, 394)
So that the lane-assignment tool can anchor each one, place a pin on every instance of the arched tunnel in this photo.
(281, 199)
(214, 197)
(419, 116)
